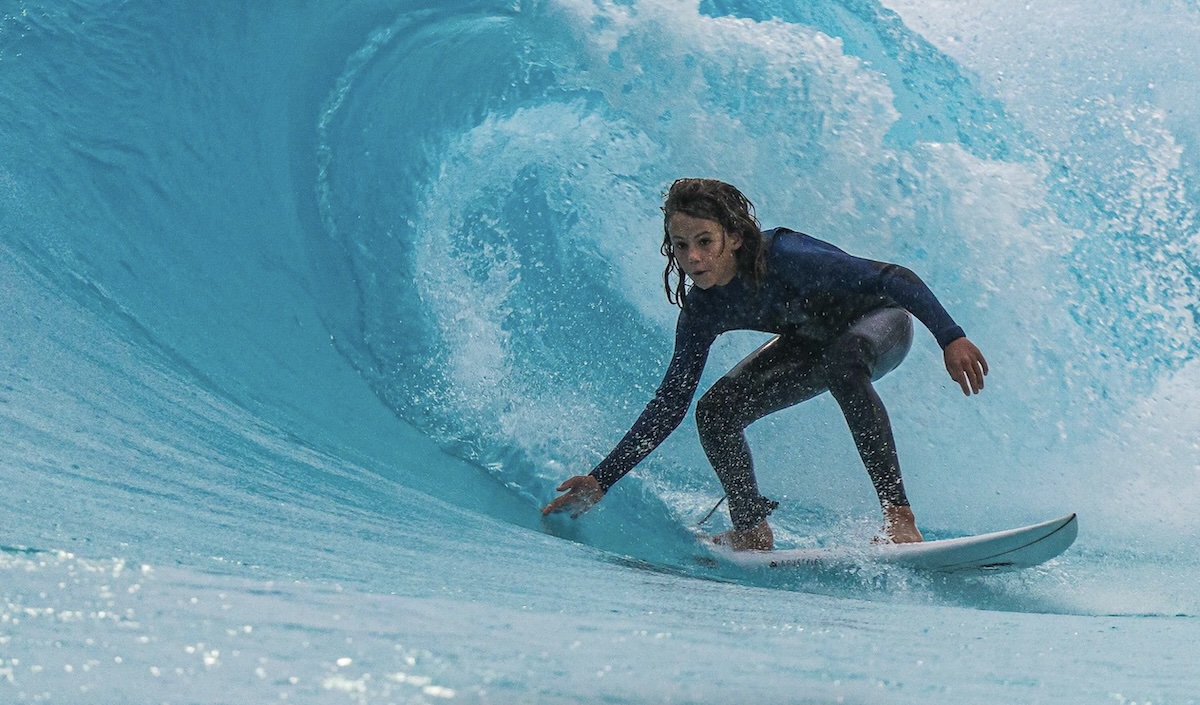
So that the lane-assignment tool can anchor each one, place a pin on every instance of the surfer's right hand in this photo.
(582, 491)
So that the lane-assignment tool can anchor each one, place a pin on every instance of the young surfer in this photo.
(840, 321)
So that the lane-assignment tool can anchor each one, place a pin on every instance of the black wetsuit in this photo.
(841, 321)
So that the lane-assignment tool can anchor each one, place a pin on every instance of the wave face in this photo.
(309, 307)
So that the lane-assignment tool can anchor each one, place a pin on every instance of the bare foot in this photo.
(900, 526)
(757, 538)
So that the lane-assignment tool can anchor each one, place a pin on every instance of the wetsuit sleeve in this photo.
(903, 286)
(666, 410)
(846, 274)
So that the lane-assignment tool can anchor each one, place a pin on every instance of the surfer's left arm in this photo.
(964, 362)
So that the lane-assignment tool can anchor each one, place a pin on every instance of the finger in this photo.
(979, 372)
(571, 500)
(573, 483)
(559, 504)
(963, 382)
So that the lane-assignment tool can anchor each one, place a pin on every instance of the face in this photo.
(703, 249)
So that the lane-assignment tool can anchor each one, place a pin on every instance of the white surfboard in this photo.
(1000, 551)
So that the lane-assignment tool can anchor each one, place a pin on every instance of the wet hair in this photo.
(718, 201)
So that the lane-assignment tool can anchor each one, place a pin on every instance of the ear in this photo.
(734, 240)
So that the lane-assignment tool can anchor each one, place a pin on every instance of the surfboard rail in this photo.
(995, 552)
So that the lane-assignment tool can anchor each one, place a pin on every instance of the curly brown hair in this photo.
(718, 201)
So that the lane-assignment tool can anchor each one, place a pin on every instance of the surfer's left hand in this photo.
(582, 491)
(966, 365)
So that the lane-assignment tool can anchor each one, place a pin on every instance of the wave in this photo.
(455, 208)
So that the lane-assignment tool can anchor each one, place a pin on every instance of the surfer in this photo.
(840, 322)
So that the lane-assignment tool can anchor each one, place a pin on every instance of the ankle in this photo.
(900, 524)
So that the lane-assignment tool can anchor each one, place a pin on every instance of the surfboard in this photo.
(996, 552)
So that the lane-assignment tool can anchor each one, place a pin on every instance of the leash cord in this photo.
(711, 511)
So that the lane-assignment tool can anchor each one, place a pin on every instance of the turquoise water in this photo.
(307, 307)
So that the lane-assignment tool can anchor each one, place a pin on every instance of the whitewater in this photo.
(306, 308)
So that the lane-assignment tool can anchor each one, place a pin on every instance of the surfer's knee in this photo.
(847, 364)
(849, 351)
(716, 409)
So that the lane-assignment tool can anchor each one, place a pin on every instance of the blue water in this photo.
(305, 308)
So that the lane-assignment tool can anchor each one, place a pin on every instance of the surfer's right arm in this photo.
(661, 416)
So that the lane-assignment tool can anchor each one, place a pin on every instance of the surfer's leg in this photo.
(777, 375)
(872, 347)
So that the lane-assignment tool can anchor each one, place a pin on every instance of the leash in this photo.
(711, 511)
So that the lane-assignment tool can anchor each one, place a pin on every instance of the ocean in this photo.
(306, 308)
